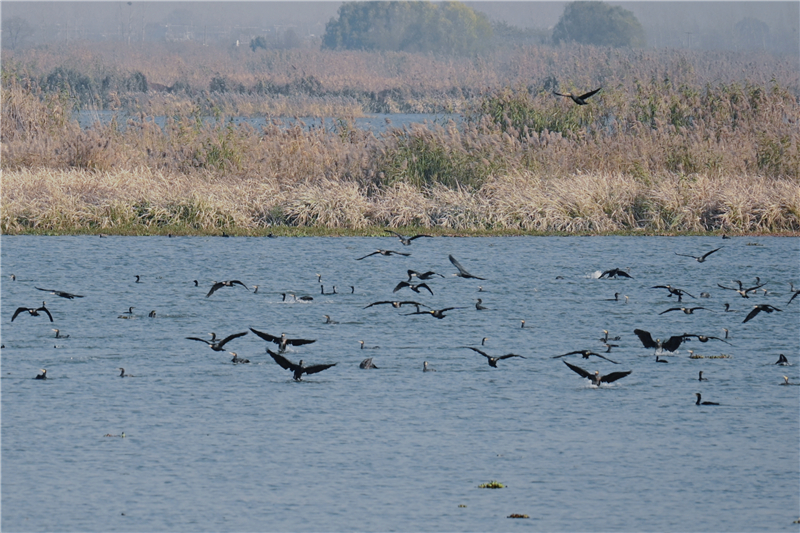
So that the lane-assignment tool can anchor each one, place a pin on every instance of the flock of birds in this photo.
(282, 342)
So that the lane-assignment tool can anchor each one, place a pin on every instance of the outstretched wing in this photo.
(486, 355)
(313, 369)
(646, 339)
(237, 282)
(711, 252)
(283, 362)
(670, 309)
(266, 336)
(424, 286)
(418, 236)
(570, 353)
(230, 338)
(198, 339)
(614, 376)
(603, 357)
(624, 274)
(401, 285)
(578, 370)
(458, 265)
(751, 314)
(672, 343)
(379, 303)
(214, 288)
(509, 355)
(373, 253)
(43, 308)
(590, 93)
(18, 311)
(300, 342)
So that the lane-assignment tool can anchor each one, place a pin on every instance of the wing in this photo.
(397, 253)
(428, 274)
(266, 336)
(724, 287)
(793, 297)
(614, 376)
(300, 342)
(418, 236)
(717, 338)
(43, 308)
(214, 288)
(230, 338)
(458, 265)
(394, 233)
(18, 311)
(686, 255)
(510, 355)
(559, 94)
(646, 339)
(603, 357)
(660, 286)
(401, 285)
(198, 339)
(565, 354)
(373, 253)
(413, 303)
(378, 303)
(590, 93)
(711, 252)
(673, 343)
(282, 361)
(424, 286)
(670, 309)
(480, 352)
(624, 274)
(751, 314)
(578, 370)
(237, 282)
(313, 369)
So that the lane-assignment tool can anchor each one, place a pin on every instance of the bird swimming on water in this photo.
(698, 402)
(328, 320)
(493, 360)
(43, 374)
(579, 99)
(122, 373)
(479, 305)
(701, 378)
(238, 360)
(298, 368)
(59, 335)
(32, 311)
(364, 347)
(426, 368)
(596, 378)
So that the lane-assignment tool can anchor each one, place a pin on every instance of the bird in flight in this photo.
(282, 341)
(383, 252)
(33, 311)
(757, 309)
(578, 99)
(680, 293)
(398, 305)
(702, 258)
(298, 368)
(493, 360)
(585, 354)
(462, 273)
(416, 288)
(406, 240)
(60, 293)
(422, 275)
(686, 310)
(596, 378)
(614, 273)
(670, 345)
(219, 284)
(217, 345)
(741, 290)
(436, 313)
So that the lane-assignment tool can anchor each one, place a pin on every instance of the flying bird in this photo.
(673, 290)
(367, 363)
(398, 305)
(229, 283)
(493, 360)
(60, 293)
(670, 345)
(422, 275)
(704, 338)
(596, 378)
(282, 341)
(32, 311)
(406, 240)
(702, 258)
(579, 99)
(686, 310)
(416, 288)
(299, 368)
(614, 273)
(217, 345)
(757, 309)
(462, 273)
(585, 354)
(436, 313)
(383, 252)
(741, 290)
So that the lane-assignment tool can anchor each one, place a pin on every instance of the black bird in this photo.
(405, 240)
(33, 311)
(698, 402)
(704, 338)
(422, 275)
(397, 304)
(364, 347)
(299, 369)
(782, 361)
(614, 273)
(669, 345)
(137, 279)
(128, 313)
(328, 319)
(238, 360)
(479, 305)
(60, 293)
(122, 373)
(606, 338)
(152, 314)
(585, 354)
(43, 374)
(741, 290)
(658, 360)
(686, 310)
(367, 363)
(414, 288)
(609, 346)
(426, 368)
(196, 284)
(729, 310)
(596, 378)
(673, 290)
(615, 298)
(757, 309)
(217, 345)
(462, 273)
(229, 283)
(578, 99)
(702, 258)
(700, 377)
(436, 313)
(493, 360)
(282, 341)
(383, 252)
(794, 295)
(59, 335)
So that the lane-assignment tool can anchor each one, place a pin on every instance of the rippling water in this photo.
(214, 446)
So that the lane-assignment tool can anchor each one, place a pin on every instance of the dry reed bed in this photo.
(144, 200)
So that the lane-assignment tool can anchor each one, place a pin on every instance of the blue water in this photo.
(212, 446)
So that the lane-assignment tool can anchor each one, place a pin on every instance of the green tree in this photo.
(449, 27)
(599, 24)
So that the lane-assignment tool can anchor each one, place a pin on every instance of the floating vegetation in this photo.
(753, 244)
(492, 485)
(461, 505)
(720, 356)
(115, 436)
(516, 515)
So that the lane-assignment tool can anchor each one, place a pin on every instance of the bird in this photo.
(322, 290)
(673, 290)
(698, 402)
(152, 314)
(364, 347)
(794, 295)
(701, 378)
(436, 313)
(383, 252)
(729, 310)
(741, 290)
(122, 373)
(416, 288)
(659, 360)
(704, 338)
(609, 346)
(757, 309)
(299, 368)
(606, 338)
(596, 378)
(397, 305)
(59, 335)
(62, 294)
(522, 324)
(787, 382)
(196, 284)
(137, 279)
(32, 311)
(255, 289)
(686, 310)
(128, 313)
(585, 354)
(493, 360)
(217, 345)
(462, 273)
(614, 299)
(328, 319)
(426, 368)
(229, 283)
(483, 341)
(422, 275)
(479, 305)
(670, 345)
(578, 99)
(702, 258)
(367, 363)
(782, 361)
(282, 341)
(237, 360)
(43, 374)
(614, 273)
(406, 240)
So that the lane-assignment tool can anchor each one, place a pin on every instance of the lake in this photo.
(213, 446)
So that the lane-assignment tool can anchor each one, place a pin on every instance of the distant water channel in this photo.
(213, 446)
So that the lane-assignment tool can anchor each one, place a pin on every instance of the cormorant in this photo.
(32, 311)
(686, 310)
(299, 369)
(698, 402)
(128, 313)
(522, 324)
(659, 360)
(398, 305)
(363, 347)
(255, 289)
(152, 314)
(757, 309)
(367, 363)
(670, 345)
(606, 338)
(578, 99)
(426, 368)
(416, 288)
(493, 360)
(794, 295)
(383, 252)
(328, 319)
(282, 341)
(596, 378)
(479, 305)
(787, 382)
(585, 354)
(59, 335)
(196, 284)
(673, 290)
(60, 293)
(483, 341)
(236, 359)
(229, 283)
(703, 338)
(741, 290)
(700, 377)
(216, 345)
(137, 279)
(462, 273)
(422, 275)
(122, 373)
(782, 361)
(702, 258)
(729, 310)
(436, 313)
(43, 374)
(614, 273)
(614, 299)
(406, 240)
